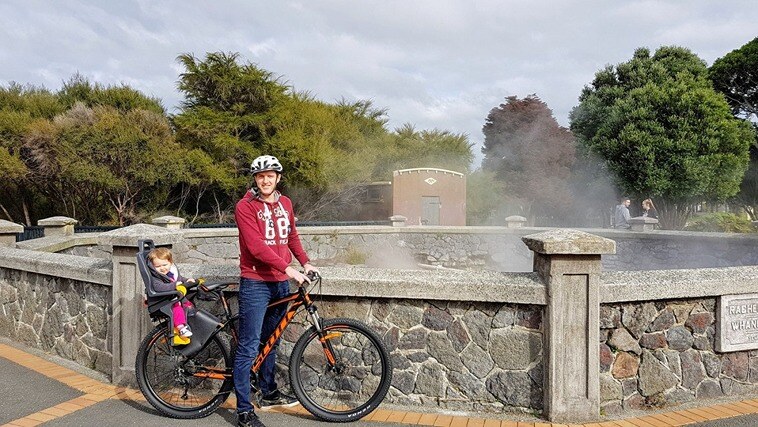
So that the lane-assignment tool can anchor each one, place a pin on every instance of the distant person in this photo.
(163, 262)
(648, 209)
(622, 214)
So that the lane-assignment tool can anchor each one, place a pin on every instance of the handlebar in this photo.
(313, 276)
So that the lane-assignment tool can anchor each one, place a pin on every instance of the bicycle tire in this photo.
(358, 382)
(165, 376)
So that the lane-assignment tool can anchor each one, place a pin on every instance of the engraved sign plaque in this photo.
(737, 323)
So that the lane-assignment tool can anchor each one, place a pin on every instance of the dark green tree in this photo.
(736, 76)
(225, 115)
(531, 154)
(663, 131)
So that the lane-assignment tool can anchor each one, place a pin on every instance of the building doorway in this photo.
(430, 210)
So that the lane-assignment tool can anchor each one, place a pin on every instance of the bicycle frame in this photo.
(297, 299)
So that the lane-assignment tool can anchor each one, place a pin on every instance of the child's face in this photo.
(162, 265)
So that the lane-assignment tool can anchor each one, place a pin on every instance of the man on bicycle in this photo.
(268, 238)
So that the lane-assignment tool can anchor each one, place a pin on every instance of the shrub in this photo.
(720, 222)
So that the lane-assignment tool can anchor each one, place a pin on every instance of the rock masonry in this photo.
(658, 354)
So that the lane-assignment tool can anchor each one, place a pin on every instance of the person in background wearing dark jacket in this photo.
(268, 238)
(648, 209)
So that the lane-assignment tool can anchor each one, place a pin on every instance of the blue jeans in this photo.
(256, 320)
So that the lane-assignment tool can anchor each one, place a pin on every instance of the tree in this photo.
(747, 198)
(225, 115)
(78, 89)
(125, 159)
(21, 109)
(82, 150)
(736, 76)
(327, 151)
(528, 151)
(408, 148)
(663, 131)
(235, 111)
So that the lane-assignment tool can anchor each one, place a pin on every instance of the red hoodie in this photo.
(268, 237)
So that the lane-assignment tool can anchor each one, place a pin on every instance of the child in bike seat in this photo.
(163, 262)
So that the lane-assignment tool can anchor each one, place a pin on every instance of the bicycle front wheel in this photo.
(182, 387)
(353, 384)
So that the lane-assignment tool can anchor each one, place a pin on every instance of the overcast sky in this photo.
(436, 64)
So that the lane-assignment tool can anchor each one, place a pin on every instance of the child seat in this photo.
(158, 303)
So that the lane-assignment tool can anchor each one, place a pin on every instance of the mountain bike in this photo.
(339, 369)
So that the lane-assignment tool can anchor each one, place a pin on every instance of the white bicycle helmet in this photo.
(265, 163)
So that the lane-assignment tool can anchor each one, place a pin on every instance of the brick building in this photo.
(429, 196)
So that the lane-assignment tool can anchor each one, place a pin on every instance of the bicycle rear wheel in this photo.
(354, 385)
(182, 387)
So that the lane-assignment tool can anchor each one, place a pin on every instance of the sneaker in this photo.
(248, 419)
(185, 331)
(277, 399)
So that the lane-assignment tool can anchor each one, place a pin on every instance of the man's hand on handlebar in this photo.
(310, 269)
(309, 274)
(297, 276)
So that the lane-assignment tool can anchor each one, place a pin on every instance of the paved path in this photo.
(36, 390)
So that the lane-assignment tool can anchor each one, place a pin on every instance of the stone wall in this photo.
(661, 353)
(58, 303)
(66, 317)
(661, 250)
(378, 247)
(452, 355)
(556, 340)
(472, 248)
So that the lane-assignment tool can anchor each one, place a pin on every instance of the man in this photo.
(622, 214)
(268, 238)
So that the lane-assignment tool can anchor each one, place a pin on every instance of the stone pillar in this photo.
(8, 232)
(515, 221)
(398, 220)
(568, 262)
(129, 321)
(58, 226)
(643, 223)
(170, 222)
